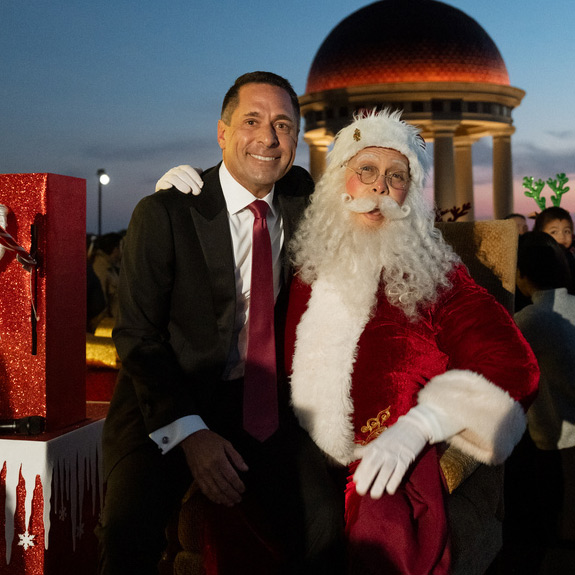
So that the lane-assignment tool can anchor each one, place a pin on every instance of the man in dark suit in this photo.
(176, 414)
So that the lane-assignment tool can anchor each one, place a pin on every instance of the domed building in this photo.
(439, 67)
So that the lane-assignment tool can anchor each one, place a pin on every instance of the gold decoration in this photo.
(105, 327)
(357, 135)
(101, 352)
(375, 426)
(457, 467)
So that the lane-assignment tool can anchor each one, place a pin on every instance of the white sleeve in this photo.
(170, 435)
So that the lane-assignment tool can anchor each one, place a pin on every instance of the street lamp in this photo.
(103, 180)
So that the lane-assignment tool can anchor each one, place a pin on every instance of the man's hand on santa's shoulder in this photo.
(214, 464)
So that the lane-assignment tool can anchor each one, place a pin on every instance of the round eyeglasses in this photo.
(370, 174)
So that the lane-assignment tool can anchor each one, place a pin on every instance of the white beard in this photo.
(405, 251)
(341, 302)
(346, 264)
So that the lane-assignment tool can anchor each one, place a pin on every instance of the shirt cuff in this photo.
(170, 435)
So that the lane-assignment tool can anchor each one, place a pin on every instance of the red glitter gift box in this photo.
(43, 311)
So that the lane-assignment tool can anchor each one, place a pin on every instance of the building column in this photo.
(444, 164)
(464, 176)
(318, 142)
(502, 174)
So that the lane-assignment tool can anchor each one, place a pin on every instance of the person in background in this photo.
(521, 222)
(106, 264)
(393, 349)
(95, 300)
(556, 222)
(548, 324)
(189, 401)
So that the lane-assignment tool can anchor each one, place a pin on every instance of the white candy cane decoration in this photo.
(3, 223)
(7, 242)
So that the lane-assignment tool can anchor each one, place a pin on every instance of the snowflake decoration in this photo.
(63, 513)
(26, 540)
(79, 531)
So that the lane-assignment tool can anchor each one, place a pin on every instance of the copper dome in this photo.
(406, 41)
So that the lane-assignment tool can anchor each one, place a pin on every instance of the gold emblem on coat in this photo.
(375, 426)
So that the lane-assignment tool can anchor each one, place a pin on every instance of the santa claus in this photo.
(395, 350)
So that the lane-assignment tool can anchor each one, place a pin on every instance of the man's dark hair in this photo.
(232, 97)
(543, 261)
(549, 215)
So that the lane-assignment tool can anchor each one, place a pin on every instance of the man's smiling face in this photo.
(259, 144)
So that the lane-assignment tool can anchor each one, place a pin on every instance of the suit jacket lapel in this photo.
(291, 208)
(212, 227)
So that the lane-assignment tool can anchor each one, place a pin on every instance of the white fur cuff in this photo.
(492, 422)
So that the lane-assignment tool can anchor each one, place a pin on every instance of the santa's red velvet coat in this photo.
(354, 374)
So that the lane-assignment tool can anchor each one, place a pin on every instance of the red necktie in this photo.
(260, 380)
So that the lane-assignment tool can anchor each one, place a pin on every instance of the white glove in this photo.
(385, 460)
(184, 178)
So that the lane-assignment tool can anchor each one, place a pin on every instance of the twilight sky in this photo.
(136, 87)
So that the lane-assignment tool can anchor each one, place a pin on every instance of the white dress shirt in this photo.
(241, 221)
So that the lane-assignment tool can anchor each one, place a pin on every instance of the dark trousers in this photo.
(290, 503)
(142, 492)
(539, 506)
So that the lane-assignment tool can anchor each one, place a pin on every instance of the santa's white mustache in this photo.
(389, 208)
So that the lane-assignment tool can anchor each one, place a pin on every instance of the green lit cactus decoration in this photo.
(534, 188)
(558, 186)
